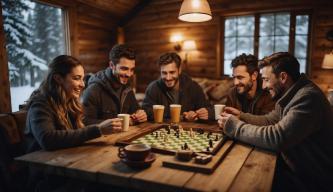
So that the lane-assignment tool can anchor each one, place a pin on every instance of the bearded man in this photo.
(175, 87)
(109, 92)
(247, 94)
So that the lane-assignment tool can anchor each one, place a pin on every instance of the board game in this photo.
(168, 139)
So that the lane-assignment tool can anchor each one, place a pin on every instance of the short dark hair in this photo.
(282, 62)
(119, 51)
(250, 61)
(168, 58)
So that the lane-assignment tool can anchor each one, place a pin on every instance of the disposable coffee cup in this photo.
(218, 110)
(158, 113)
(125, 121)
(175, 113)
(134, 152)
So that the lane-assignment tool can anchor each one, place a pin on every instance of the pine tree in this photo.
(18, 40)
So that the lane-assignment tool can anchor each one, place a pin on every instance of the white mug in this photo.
(218, 110)
(125, 123)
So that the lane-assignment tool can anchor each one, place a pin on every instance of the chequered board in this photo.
(198, 143)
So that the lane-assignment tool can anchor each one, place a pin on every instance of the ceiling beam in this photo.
(135, 10)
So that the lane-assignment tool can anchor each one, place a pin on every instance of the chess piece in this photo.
(208, 150)
(185, 146)
(201, 131)
(210, 143)
(216, 138)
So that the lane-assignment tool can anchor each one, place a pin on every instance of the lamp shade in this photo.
(195, 11)
(189, 45)
(328, 61)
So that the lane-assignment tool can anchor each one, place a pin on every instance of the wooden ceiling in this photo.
(118, 8)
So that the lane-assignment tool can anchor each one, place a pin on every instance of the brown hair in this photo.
(55, 94)
(168, 58)
(282, 62)
(119, 51)
(250, 61)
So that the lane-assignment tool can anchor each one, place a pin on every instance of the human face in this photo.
(73, 82)
(124, 70)
(243, 81)
(170, 74)
(271, 83)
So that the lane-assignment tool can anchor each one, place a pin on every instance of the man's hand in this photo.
(202, 113)
(223, 119)
(110, 126)
(139, 116)
(190, 116)
(232, 111)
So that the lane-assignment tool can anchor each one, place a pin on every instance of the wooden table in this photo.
(243, 169)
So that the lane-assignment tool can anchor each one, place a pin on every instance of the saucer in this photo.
(140, 164)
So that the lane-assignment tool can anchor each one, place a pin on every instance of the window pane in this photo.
(266, 25)
(281, 44)
(227, 67)
(266, 46)
(282, 23)
(34, 35)
(302, 63)
(230, 27)
(301, 46)
(302, 24)
(245, 26)
(229, 48)
(245, 45)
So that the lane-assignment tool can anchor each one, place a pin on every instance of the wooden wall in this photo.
(97, 33)
(150, 31)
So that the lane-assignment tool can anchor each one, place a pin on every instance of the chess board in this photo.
(168, 140)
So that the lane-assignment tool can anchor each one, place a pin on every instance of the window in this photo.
(238, 38)
(276, 32)
(35, 34)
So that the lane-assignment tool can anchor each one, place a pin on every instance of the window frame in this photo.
(70, 22)
(256, 14)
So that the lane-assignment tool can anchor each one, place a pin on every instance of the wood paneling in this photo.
(150, 31)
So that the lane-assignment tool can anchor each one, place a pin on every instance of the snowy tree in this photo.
(18, 40)
(48, 34)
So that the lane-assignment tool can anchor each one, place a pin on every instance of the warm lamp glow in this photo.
(195, 11)
(189, 45)
(328, 61)
(176, 38)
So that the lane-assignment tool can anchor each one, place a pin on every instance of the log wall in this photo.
(150, 31)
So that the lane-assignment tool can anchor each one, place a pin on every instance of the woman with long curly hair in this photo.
(54, 117)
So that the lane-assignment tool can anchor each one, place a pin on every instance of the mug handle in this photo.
(121, 152)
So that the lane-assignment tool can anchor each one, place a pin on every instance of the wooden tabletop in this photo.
(243, 169)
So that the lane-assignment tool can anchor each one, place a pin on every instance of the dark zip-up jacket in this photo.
(100, 100)
(261, 104)
(191, 97)
(44, 131)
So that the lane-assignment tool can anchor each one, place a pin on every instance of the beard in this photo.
(176, 79)
(247, 88)
(278, 91)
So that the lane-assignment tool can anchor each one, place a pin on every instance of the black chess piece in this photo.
(208, 135)
(210, 143)
(169, 131)
(201, 131)
(208, 150)
(185, 146)
(177, 135)
(156, 135)
(216, 138)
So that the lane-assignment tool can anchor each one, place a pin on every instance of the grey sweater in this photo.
(43, 131)
(300, 128)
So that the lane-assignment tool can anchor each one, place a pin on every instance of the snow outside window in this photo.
(35, 34)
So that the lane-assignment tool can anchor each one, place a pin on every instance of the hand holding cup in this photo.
(110, 126)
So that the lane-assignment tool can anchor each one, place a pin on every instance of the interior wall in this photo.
(150, 31)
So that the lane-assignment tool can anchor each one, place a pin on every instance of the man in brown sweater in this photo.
(247, 94)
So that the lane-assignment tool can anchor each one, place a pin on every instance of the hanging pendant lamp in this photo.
(195, 11)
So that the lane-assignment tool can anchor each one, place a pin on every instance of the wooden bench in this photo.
(12, 127)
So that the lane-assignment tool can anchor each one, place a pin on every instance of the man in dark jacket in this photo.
(108, 92)
(175, 87)
(300, 128)
(247, 94)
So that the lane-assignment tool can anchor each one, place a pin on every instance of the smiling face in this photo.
(124, 70)
(243, 81)
(271, 83)
(170, 74)
(73, 83)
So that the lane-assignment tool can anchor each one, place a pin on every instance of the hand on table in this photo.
(190, 116)
(139, 116)
(202, 113)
